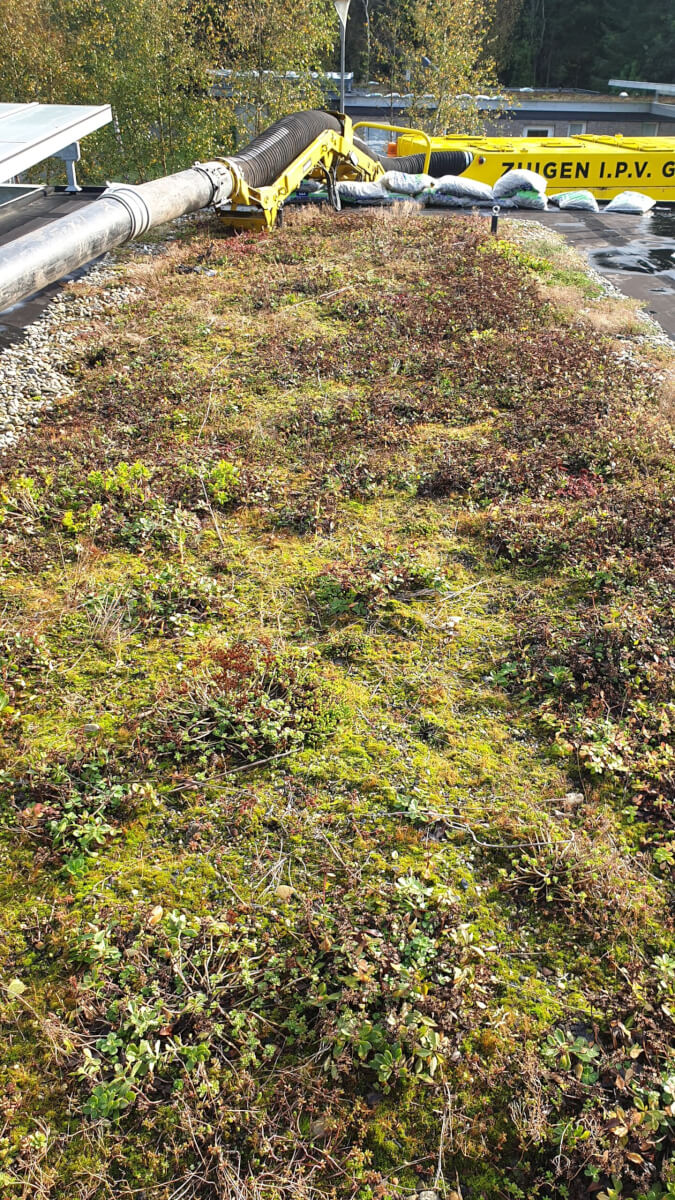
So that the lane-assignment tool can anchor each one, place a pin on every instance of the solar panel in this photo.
(30, 133)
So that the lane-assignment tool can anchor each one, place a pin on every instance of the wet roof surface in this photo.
(636, 253)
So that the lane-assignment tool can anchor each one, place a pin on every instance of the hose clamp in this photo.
(131, 199)
(219, 174)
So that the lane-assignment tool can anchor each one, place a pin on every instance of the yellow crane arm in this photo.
(330, 154)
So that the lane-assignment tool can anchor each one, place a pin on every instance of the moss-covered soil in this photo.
(336, 668)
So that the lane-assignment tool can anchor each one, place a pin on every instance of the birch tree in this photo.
(33, 60)
(141, 56)
(435, 51)
(275, 55)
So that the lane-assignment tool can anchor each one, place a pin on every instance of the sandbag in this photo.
(441, 200)
(630, 202)
(583, 200)
(529, 198)
(358, 191)
(515, 181)
(405, 185)
(459, 185)
(503, 203)
(433, 200)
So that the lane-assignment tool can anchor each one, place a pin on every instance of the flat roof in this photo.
(526, 102)
(30, 133)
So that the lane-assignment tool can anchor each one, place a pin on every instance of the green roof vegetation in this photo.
(336, 669)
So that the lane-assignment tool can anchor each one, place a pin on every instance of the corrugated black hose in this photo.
(268, 155)
(442, 162)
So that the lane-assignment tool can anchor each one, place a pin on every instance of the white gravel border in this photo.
(31, 370)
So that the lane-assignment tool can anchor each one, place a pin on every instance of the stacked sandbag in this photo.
(526, 188)
(518, 180)
(382, 191)
(360, 191)
(529, 198)
(400, 184)
(504, 202)
(631, 202)
(517, 189)
(458, 191)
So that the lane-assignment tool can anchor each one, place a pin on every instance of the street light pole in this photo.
(342, 10)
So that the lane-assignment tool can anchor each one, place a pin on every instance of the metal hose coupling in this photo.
(131, 198)
(219, 174)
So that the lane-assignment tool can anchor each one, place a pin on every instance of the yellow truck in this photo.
(604, 166)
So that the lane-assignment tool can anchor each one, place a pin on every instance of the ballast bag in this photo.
(529, 198)
(358, 191)
(583, 200)
(518, 180)
(405, 185)
(440, 199)
(502, 204)
(458, 185)
(631, 202)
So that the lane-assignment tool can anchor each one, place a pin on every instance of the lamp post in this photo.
(342, 10)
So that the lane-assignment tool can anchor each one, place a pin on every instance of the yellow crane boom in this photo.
(330, 156)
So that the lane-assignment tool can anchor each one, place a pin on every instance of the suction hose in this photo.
(268, 155)
(441, 162)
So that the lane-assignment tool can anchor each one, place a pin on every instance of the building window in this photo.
(576, 128)
(539, 131)
(650, 128)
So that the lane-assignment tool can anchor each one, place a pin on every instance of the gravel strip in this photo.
(32, 375)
